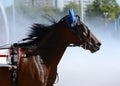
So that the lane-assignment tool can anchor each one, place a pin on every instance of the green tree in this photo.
(94, 9)
(100, 7)
(71, 5)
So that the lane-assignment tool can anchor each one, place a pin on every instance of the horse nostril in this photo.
(98, 44)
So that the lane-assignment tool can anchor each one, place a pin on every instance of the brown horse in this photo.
(42, 52)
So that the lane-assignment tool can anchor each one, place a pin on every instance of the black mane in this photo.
(39, 31)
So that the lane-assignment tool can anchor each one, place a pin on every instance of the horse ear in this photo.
(72, 16)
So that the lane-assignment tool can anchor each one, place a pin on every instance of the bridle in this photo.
(86, 40)
(75, 29)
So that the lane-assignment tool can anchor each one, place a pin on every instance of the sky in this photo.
(118, 1)
(7, 3)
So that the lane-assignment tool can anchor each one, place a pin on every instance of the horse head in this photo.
(84, 37)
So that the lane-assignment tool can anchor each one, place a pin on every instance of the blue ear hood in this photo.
(71, 20)
(72, 16)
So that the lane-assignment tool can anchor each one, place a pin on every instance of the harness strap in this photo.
(15, 54)
(14, 76)
(15, 61)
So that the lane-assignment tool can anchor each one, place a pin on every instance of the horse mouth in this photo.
(95, 49)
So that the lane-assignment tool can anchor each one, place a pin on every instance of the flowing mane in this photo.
(38, 32)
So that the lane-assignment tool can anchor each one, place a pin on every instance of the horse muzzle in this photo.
(95, 47)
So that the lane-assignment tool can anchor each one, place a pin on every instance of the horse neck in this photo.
(53, 47)
(52, 56)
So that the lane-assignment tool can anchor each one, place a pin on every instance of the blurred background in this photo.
(77, 67)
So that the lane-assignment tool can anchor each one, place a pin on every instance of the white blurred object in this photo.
(4, 57)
